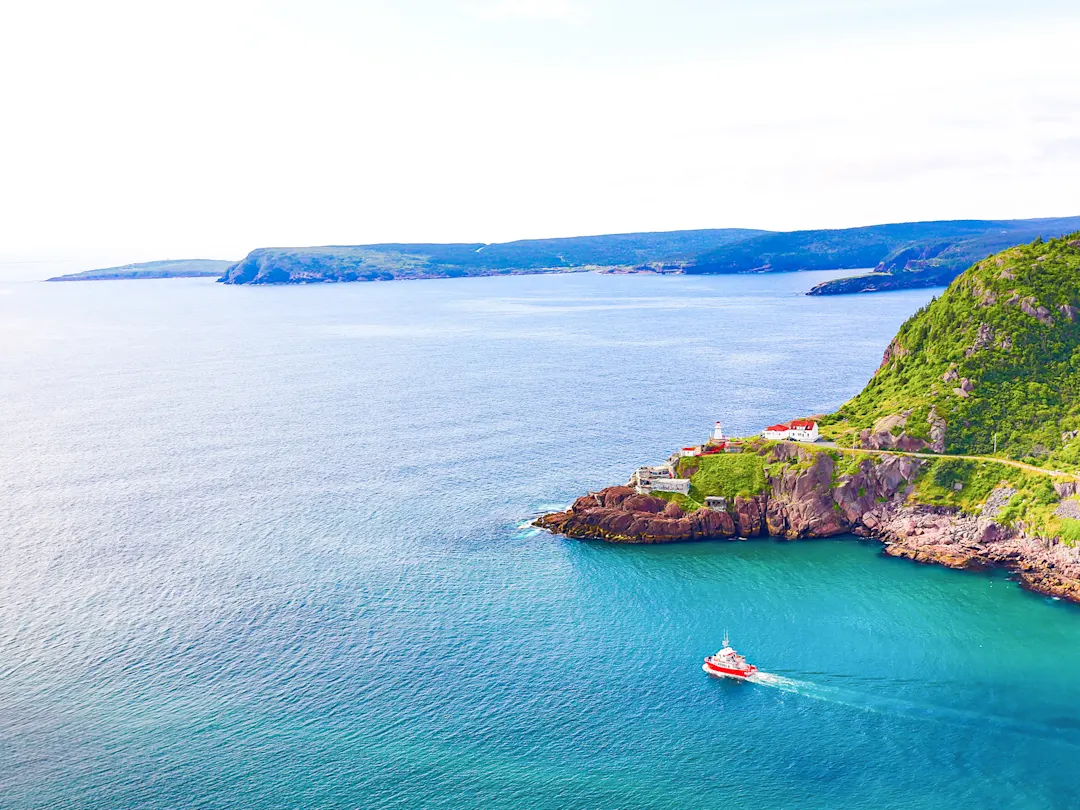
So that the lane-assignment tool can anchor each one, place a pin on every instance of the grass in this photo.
(728, 475)
(688, 504)
(1069, 531)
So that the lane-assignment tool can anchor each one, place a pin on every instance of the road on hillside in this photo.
(1019, 464)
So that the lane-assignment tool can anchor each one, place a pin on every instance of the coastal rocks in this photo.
(996, 501)
(619, 514)
(800, 501)
(947, 537)
(804, 501)
(750, 515)
(808, 500)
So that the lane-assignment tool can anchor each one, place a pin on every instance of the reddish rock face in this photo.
(885, 440)
(800, 503)
(808, 502)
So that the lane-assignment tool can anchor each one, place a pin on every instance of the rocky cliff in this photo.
(807, 496)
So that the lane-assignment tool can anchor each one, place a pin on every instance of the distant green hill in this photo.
(658, 251)
(903, 255)
(997, 355)
(172, 268)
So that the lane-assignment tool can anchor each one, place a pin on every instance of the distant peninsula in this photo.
(170, 268)
(890, 257)
(670, 251)
(962, 450)
(903, 256)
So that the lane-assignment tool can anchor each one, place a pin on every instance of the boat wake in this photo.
(870, 702)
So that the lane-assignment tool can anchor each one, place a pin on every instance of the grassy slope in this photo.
(1025, 372)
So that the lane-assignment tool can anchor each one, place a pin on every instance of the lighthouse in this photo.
(718, 436)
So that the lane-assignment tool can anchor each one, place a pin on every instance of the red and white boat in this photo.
(728, 664)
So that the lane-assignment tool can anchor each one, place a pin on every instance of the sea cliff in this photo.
(811, 492)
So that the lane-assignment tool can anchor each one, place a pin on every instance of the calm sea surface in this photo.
(266, 548)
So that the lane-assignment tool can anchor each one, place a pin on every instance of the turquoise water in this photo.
(268, 548)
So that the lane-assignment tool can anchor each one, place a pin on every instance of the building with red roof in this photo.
(797, 430)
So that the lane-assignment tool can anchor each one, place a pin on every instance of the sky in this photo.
(133, 131)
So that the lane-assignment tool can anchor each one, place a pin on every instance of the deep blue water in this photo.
(264, 548)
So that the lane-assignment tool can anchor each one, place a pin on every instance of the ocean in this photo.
(270, 548)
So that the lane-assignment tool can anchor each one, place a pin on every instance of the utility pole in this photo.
(995, 444)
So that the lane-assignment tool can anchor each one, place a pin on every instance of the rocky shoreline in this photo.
(808, 500)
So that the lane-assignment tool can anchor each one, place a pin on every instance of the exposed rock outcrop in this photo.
(937, 431)
(808, 500)
(983, 338)
(1029, 306)
(802, 501)
(892, 351)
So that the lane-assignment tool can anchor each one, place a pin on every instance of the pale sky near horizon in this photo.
(134, 130)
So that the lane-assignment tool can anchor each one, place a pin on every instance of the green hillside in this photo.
(903, 255)
(908, 254)
(170, 268)
(997, 355)
(383, 262)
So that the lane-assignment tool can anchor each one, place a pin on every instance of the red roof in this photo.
(803, 423)
(777, 427)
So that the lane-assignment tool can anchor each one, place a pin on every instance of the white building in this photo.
(718, 436)
(798, 430)
(680, 485)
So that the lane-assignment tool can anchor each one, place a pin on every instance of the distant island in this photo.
(897, 256)
(962, 450)
(170, 268)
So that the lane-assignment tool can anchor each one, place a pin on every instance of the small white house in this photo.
(776, 433)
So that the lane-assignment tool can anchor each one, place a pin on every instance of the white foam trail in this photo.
(777, 681)
(887, 705)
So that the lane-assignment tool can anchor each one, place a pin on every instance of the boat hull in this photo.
(728, 672)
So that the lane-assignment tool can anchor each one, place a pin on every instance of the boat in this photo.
(728, 664)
